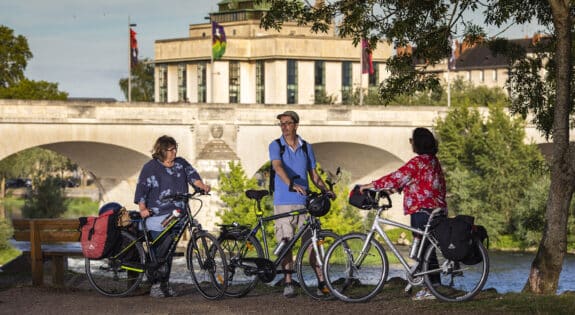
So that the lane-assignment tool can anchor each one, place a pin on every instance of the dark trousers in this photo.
(165, 270)
(419, 220)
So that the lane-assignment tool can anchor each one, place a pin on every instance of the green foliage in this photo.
(6, 232)
(14, 56)
(142, 82)
(33, 90)
(34, 162)
(488, 167)
(46, 199)
(80, 207)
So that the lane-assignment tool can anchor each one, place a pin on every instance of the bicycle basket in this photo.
(318, 205)
(364, 201)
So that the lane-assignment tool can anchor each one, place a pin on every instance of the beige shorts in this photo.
(286, 227)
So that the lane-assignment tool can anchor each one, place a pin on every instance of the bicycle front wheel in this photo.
(119, 274)
(352, 275)
(308, 267)
(241, 252)
(207, 264)
(457, 281)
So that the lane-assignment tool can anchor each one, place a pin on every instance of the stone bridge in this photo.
(113, 140)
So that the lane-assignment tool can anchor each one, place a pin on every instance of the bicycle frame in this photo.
(187, 222)
(308, 225)
(376, 227)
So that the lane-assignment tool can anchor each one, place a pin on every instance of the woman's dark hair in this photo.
(161, 146)
(424, 142)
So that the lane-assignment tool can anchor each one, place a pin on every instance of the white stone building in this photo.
(292, 66)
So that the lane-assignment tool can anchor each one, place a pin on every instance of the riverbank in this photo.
(17, 296)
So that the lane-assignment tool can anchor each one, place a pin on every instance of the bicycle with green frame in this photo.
(122, 272)
(249, 262)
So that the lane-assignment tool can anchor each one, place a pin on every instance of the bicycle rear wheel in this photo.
(459, 282)
(239, 249)
(121, 273)
(207, 264)
(307, 268)
(351, 280)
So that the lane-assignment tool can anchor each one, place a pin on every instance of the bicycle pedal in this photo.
(408, 288)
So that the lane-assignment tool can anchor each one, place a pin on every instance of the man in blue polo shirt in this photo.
(294, 162)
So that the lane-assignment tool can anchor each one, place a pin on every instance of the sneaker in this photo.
(423, 294)
(322, 289)
(162, 290)
(289, 291)
(167, 289)
(156, 291)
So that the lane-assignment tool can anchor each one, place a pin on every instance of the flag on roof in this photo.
(366, 57)
(133, 48)
(218, 41)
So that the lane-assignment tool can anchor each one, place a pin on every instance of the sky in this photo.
(83, 45)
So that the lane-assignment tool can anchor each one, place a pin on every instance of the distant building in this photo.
(478, 65)
(292, 66)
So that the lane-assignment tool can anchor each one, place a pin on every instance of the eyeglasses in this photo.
(287, 123)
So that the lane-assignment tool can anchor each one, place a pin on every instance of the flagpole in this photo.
(211, 62)
(130, 59)
(361, 76)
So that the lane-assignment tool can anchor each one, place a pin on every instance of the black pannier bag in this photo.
(364, 201)
(454, 236)
(478, 234)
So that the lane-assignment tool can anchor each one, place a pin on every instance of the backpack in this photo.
(454, 236)
(478, 234)
(99, 235)
(271, 186)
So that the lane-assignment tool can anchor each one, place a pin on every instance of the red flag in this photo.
(133, 48)
(366, 58)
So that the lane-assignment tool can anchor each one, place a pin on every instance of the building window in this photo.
(234, 81)
(202, 82)
(163, 72)
(374, 78)
(482, 76)
(182, 83)
(319, 88)
(346, 83)
(469, 76)
(260, 82)
(495, 75)
(292, 81)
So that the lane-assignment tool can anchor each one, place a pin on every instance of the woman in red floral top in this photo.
(422, 182)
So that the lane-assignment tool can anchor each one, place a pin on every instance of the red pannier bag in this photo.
(99, 234)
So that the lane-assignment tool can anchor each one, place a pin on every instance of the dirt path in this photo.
(18, 297)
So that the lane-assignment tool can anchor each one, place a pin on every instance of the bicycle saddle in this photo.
(256, 194)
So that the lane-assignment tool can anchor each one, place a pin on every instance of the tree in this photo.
(142, 82)
(14, 56)
(34, 163)
(430, 25)
(33, 90)
(488, 167)
(46, 200)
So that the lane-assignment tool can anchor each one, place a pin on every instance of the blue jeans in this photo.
(419, 220)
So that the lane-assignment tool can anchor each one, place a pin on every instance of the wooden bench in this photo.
(53, 239)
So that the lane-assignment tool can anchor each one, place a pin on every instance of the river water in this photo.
(508, 271)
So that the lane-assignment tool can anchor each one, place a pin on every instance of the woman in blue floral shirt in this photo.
(164, 175)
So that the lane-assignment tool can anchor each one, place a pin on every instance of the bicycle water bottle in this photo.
(174, 215)
(280, 247)
(414, 247)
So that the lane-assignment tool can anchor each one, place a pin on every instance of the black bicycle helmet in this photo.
(318, 205)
